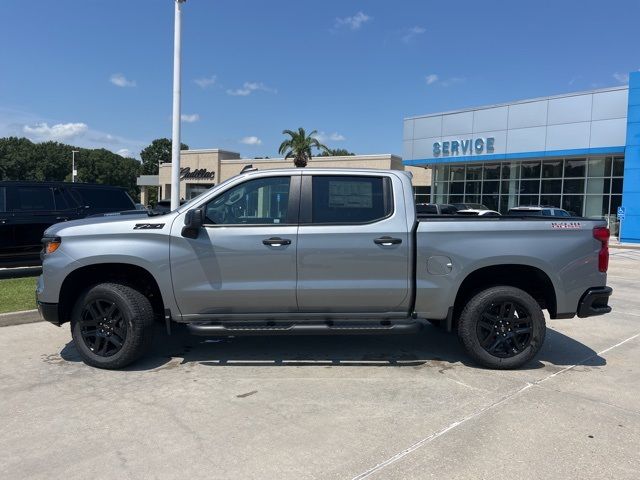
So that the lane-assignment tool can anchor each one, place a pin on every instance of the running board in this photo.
(221, 329)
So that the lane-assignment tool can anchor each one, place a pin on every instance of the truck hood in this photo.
(106, 224)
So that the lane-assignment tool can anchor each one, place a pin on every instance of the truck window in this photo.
(33, 199)
(257, 202)
(350, 199)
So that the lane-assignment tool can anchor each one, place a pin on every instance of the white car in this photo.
(478, 212)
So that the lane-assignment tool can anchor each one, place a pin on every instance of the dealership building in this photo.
(579, 151)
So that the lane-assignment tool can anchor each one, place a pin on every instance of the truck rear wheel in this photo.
(502, 327)
(111, 325)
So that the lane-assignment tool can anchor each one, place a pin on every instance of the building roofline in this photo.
(207, 150)
(517, 102)
(381, 156)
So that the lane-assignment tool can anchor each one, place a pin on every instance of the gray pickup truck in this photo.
(320, 251)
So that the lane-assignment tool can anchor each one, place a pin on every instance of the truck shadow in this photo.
(430, 346)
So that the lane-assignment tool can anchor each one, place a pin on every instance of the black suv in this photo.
(27, 209)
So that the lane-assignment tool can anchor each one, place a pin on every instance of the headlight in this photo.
(51, 244)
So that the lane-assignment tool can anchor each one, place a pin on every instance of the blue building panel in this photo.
(631, 186)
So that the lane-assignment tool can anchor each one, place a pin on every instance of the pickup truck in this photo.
(320, 251)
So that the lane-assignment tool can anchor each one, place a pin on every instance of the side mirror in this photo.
(193, 222)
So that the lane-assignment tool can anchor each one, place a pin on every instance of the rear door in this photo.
(353, 245)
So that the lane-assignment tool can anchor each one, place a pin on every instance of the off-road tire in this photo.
(472, 327)
(136, 314)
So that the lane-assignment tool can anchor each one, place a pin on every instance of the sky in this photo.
(98, 73)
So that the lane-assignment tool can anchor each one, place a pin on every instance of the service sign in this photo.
(467, 146)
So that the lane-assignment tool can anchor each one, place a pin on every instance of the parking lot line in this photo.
(398, 456)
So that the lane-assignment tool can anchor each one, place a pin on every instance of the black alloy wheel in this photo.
(504, 329)
(103, 327)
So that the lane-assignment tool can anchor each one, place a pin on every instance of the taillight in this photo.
(602, 234)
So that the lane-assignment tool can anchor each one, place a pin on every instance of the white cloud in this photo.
(58, 132)
(251, 140)
(431, 79)
(334, 137)
(249, 87)
(190, 118)
(206, 82)
(354, 22)
(119, 80)
(621, 77)
(412, 33)
(124, 152)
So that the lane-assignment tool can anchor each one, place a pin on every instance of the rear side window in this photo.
(547, 213)
(103, 198)
(427, 209)
(350, 199)
(3, 199)
(33, 199)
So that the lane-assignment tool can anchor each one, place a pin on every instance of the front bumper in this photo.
(594, 302)
(49, 312)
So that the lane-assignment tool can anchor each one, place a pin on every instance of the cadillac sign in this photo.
(469, 146)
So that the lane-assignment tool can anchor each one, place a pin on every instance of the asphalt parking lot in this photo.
(393, 407)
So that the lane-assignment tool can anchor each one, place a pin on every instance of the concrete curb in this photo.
(624, 246)
(19, 318)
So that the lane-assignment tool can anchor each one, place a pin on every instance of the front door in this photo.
(353, 245)
(244, 259)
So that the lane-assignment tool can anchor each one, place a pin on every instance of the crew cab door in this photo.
(353, 245)
(244, 258)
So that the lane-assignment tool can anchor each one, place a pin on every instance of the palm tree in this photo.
(299, 146)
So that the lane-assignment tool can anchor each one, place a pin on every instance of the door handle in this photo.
(3, 221)
(386, 241)
(276, 241)
(62, 219)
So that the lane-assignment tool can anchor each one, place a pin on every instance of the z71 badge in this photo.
(566, 225)
(148, 226)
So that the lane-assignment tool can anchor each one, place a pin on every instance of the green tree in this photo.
(336, 152)
(299, 146)
(158, 152)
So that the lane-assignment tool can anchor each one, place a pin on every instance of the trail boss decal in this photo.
(148, 226)
(566, 225)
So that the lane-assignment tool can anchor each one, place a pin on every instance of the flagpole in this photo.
(175, 135)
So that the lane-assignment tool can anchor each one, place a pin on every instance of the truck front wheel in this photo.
(502, 327)
(111, 325)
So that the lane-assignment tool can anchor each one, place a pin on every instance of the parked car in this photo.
(163, 206)
(478, 212)
(435, 209)
(27, 209)
(539, 210)
(318, 251)
(470, 206)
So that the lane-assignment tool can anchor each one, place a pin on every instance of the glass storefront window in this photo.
(531, 169)
(474, 172)
(573, 186)
(598, 185)
(572, 204)
(599, 167)
(550, 200)
(473, 187)
(456, 188)
(530, 187)
(575, 167)
(616, 185)
(585, 186)
(490, 187)
(492, 171)
(442, 173)
(618, 166)
(552, 169)
(529, 200)
(551, 186)
(456, 172)
(596, 206)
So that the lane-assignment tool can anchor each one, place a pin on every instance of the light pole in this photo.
(175, 136)
(73, 165)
